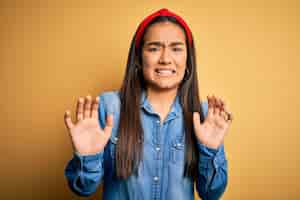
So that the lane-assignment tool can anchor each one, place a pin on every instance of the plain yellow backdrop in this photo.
(52, 52)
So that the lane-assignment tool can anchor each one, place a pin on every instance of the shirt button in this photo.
(155, 178)
(157, 148)
(158, 121)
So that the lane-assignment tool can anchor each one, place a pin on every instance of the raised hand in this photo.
(212, 131)
(86, 134)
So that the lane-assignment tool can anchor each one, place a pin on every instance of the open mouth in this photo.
(165, 72)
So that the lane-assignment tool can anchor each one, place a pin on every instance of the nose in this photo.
(165, 58)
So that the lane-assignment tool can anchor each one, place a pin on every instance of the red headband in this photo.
(161, 12)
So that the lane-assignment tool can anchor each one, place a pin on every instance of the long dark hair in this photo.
(130, 131)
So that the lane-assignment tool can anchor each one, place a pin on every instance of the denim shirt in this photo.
(160, 173)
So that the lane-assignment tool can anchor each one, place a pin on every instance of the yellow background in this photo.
(52, 52)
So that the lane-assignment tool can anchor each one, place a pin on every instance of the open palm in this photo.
(86, 135)
(212, 131)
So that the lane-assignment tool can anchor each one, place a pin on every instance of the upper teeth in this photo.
(165, 71)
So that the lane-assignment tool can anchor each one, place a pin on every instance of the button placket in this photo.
(158, 157)
(156, 131)
(157, 147)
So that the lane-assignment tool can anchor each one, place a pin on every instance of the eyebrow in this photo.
(157, 43)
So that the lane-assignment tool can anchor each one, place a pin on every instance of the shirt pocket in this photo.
(177, 151)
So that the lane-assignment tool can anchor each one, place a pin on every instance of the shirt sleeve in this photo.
(212, 179)
(85, 172)
(212, 170)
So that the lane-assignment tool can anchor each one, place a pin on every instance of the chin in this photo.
(163, 84)
(164, 87)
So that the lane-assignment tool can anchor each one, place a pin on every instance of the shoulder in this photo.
(110, 95)
(204, 107)
(110, 101)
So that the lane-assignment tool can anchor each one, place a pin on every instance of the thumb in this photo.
(109, 124)
(67, 120)
(196, 121)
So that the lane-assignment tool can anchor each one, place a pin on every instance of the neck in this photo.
(161, 101)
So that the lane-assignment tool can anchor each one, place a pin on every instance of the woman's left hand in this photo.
(215, 126)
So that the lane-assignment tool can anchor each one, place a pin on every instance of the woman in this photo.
(152, 139)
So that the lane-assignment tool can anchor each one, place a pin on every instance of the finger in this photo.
(196, 122)
(225, 109)
(230, 117)
(87, 107)
(216, 108)
(109, 125)
(213, 100)
(210, 106)
(68, 122)
(218, 105)
(222, 102)
(224, 115)
(79, 109)
(95, 106)
(229, 114)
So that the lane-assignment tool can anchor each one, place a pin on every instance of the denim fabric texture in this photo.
(160, 173)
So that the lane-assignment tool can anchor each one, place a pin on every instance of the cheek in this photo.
(147, 71)
(148, 60)
(181, 63)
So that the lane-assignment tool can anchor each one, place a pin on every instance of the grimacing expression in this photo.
(164, 56)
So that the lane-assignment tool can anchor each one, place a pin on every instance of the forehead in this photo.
(164, 32)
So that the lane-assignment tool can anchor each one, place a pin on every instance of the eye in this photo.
(177, 49)
(153, 49)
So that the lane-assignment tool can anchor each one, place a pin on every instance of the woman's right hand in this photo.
(86, 134)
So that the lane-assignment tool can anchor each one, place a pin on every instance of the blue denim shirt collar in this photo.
(176, 109)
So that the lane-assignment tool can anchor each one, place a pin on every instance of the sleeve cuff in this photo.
(90, 163)
(210, 152)
(211, 158)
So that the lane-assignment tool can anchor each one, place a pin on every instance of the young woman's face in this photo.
(164, 56)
